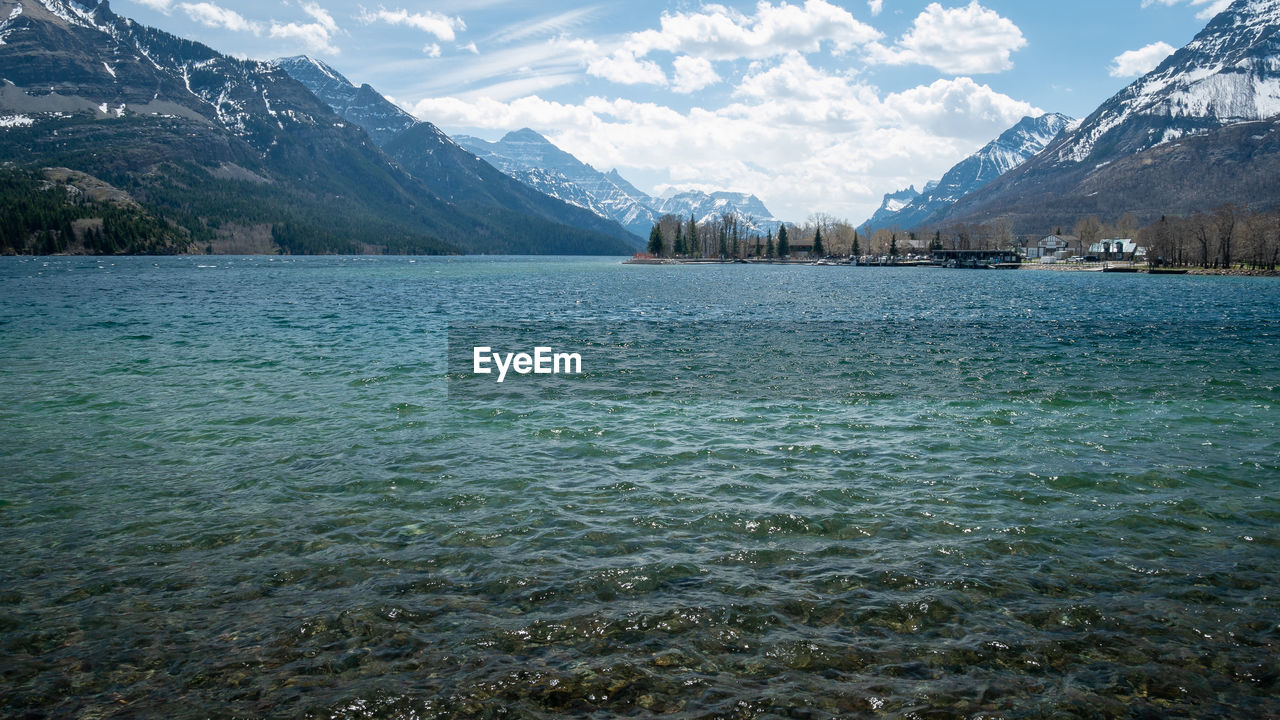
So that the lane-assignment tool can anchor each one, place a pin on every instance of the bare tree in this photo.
(1225, 218)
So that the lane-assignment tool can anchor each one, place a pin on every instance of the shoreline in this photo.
(1118, 267)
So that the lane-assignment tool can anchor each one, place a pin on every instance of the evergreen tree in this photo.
(784, 246)
(694, 248)
(817, 243)
(768, 249)
(855, 250)
(936, 244)
(893, 245)
(655, 241)
(678, 248)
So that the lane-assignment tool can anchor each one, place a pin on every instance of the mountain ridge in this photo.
(908, 208)
(1194, 101)
(208, 142)
(533, 159)
(439, 161)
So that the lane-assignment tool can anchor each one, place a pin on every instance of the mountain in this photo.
(450, 170)
(228, 151)
(1193, 133)
(708, 206)
(535, 161)
(363, 105)
(908, 209)
(894, 203)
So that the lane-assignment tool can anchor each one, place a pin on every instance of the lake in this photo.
(252, 486)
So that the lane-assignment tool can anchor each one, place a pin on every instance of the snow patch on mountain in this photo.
(1229, 73)
(908, 208)
(532, 159)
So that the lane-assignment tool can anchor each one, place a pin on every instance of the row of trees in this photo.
(822, 235)
(1224, 238)
(732, 237)
(1227, 237)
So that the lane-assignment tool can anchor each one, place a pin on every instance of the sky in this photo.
(815, 106)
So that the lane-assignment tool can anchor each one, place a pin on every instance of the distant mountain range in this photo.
(1200, 130)
(910, 209)
(234, 151)
(236, 154)
(532, 159)
(442, 164)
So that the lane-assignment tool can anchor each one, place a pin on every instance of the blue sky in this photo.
(813, 105)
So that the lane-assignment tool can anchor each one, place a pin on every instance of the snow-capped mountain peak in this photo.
(1229, 73)
(908, 208)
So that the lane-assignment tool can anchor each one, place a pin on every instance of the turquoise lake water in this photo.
(271, 487)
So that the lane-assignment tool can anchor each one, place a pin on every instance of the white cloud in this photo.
(431, 50)
(1141, 61)
(875, 6)
(959, 107)
(959, 41)
(624, 68)
(316, 36)
(1210, 7)
(212, 15)
(721, 33)
(793, 79)
(441, 26)
(163, 6)
(817, 141)
(548, 26)
(693, 74)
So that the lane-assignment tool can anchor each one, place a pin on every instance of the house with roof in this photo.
(1117, 249)
(1052, 247)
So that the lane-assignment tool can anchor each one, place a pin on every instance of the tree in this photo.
(678, 248)
(655, 241)
(768, 249)
(817, 243)
(1089, 230)
(694, 249)
(936, 244)
(854, 250)
(784, 246)
(893, 245)
(1225, 218)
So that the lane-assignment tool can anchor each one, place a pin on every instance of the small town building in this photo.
(801, 248)
(974, 258)
(1052, 247)
(1117, 249)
